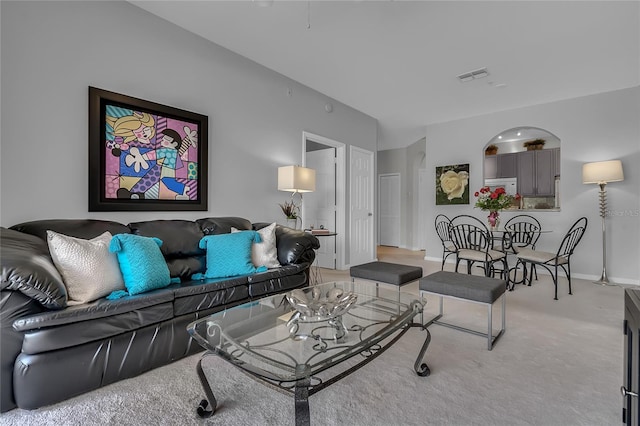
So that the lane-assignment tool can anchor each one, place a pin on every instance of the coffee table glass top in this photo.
(268, 339)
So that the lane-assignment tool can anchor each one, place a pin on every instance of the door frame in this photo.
(341, 189)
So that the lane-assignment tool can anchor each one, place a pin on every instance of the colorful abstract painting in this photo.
(150, 155)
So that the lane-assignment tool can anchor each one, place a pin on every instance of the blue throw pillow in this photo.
(229, 255)
(141, 262)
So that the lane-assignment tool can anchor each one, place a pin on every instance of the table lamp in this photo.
(296, 179)
(601, 173)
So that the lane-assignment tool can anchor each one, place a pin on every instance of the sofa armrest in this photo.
(294, 246)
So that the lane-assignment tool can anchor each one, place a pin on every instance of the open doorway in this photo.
(325, 207)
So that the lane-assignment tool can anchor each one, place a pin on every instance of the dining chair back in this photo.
(443, 229)
(560, 259)
(473, 243)
(523, 230)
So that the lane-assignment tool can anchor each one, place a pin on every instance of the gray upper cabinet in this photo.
(507, 165)
(501, 166)
(545, 173)
(536, 173)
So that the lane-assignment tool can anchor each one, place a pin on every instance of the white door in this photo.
(361, 243)
(389, 209)
(320, 205)
(422, 209)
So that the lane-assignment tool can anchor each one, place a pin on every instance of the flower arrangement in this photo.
(495, 200)
(290, 210)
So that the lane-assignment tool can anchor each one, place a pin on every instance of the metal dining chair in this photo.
(473, 243)
(443, 228)
(560, 259)
(521, 231)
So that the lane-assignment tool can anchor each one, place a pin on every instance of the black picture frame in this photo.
(144, 156)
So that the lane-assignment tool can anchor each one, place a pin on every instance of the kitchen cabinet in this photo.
(507, 165)
(501, 166)
(536, 173)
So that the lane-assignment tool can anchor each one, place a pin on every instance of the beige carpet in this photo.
(559, 363)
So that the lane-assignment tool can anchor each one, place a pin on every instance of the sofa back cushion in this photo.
(78, 228)
(28, 268)
(222, 225)
(180, 239)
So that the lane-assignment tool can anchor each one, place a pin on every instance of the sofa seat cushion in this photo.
(101, 319)
(278, 281)
(199, 295)
(101, 308)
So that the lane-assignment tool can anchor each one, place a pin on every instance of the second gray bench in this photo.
(471, 288)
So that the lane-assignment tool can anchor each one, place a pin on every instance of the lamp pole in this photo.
(603, 214)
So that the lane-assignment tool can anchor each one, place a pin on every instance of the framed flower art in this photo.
(452, 184)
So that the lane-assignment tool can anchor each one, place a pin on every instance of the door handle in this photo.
(370, 214)
(625, 392)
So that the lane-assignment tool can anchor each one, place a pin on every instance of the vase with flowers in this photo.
(494, 201)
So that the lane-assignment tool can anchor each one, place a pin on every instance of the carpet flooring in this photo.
(559, 363)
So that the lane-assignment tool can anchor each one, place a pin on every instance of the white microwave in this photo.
(510, 185)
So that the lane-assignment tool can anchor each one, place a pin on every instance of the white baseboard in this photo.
(616, 280)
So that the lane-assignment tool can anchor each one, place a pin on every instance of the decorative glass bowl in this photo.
(312, 306)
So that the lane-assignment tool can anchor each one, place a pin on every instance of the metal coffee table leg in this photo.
(303, 417)
(421, 368)
(207, 406)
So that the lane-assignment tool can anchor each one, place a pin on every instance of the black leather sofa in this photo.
(50, 351)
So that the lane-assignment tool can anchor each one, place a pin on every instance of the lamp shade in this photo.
(602, 172)
(296, 179)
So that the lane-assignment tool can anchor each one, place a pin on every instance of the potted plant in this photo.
(491, 150)
(291, 211)
(534, 145)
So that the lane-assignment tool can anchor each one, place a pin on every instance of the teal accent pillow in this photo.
(141, 262)
(229, 255)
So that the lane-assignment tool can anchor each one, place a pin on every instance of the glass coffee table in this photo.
(301, 352)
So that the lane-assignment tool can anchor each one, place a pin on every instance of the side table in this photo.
(316, 274)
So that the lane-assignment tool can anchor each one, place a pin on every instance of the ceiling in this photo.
(397, 61)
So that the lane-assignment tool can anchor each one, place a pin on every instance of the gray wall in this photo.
(591, 128)
(52, 52)
(406, 162)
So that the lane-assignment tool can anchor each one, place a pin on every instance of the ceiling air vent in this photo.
(473, 75)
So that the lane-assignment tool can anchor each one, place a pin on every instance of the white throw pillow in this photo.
(87, 267)
(265, 253)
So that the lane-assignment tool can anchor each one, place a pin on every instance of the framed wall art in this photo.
(452, 184)
(145, 156)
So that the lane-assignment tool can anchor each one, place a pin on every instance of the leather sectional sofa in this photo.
(51, 351)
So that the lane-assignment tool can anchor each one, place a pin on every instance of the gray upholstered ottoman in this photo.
(385, 272)
(472, 288)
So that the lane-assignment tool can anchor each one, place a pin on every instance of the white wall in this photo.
(52, 52)
(592, 128)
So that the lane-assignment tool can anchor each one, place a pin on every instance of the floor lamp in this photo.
(296, 179)
(603, 172)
